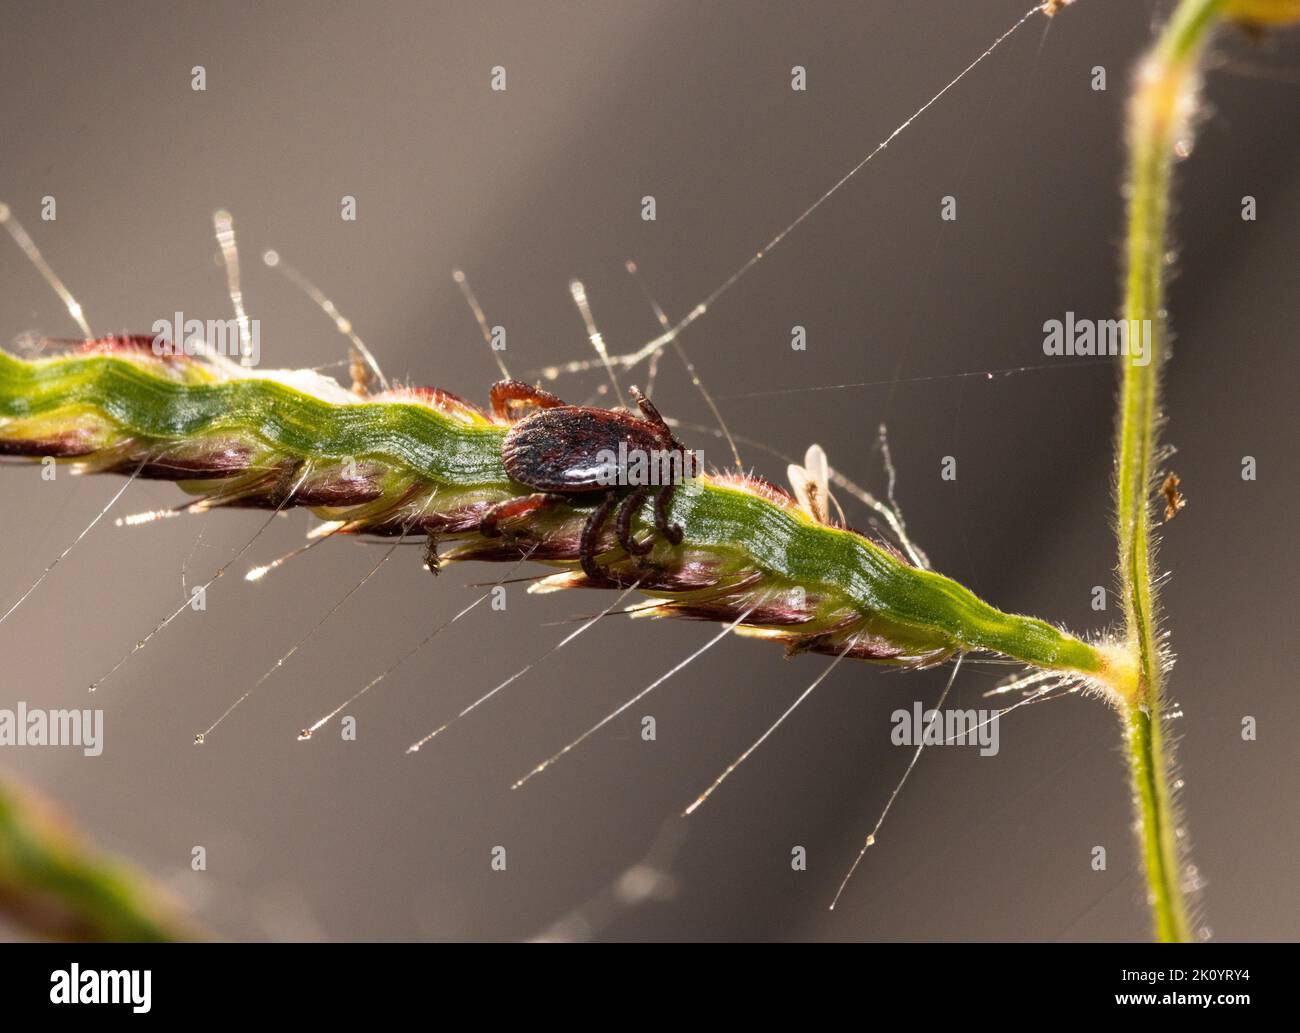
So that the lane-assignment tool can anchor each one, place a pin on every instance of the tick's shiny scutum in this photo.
(567, 449)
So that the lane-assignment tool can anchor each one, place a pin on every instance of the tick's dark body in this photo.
(560, 449)
(556, 451)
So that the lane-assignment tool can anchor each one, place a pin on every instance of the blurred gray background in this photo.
(524, 189)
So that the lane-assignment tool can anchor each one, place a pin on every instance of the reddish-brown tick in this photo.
(562, 450)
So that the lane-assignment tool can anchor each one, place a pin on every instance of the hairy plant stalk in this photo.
(418, 461)
(1163, 101)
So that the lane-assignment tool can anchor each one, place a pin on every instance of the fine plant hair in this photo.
(404, 463)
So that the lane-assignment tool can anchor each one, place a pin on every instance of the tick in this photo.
(562, 451)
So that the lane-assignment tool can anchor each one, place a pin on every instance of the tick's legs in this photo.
(673, 532)
(591, 539)
(512, 508)
(649, 411)
(431, 555)
(626, 514)
(510, 399)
